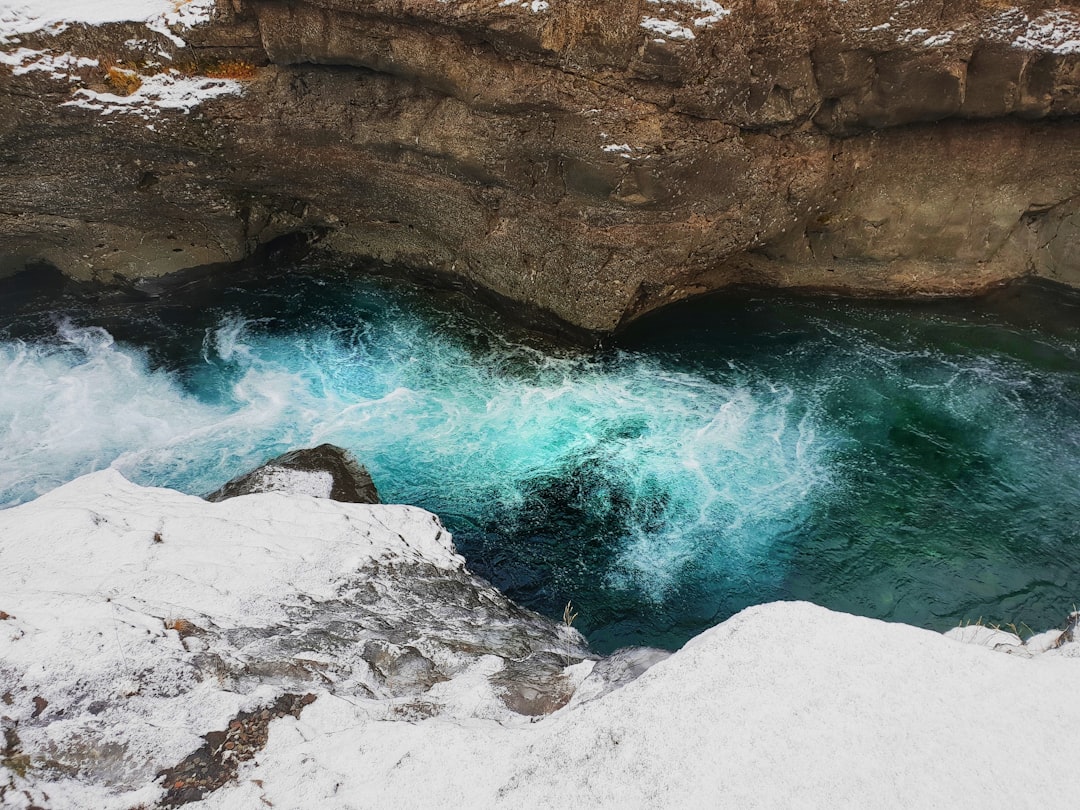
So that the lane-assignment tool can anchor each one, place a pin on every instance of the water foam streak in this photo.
(869, 460)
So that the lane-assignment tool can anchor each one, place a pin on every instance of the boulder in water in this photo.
(326, 471)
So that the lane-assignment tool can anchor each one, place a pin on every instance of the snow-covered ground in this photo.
(783, 705)
(26, 16)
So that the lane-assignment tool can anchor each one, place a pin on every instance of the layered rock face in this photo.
(590, 160)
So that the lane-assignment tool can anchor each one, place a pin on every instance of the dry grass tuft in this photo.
(242, 71)
(568, 616)
(123, 81)
(183, 627)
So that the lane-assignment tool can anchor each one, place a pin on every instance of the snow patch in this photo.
(922, 36)
(689, 14)
(535, 6)
(316, 483)
(669, 29)
(190, 13)
(1052, 31)
(164, 91)
(1056, 31)
(55, 16)
(914, 34)
(938, 40)
(58, 66)
(1058, 642)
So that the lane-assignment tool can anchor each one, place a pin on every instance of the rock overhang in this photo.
(528, 150)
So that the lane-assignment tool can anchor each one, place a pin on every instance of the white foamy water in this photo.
(81, 403)
(894, 465)
(679, 467)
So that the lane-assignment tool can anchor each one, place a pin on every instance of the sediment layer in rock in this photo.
(590, 160)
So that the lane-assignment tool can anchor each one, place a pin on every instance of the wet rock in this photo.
(534, 687)
(215, 763)
(617, 670)
(326, 471)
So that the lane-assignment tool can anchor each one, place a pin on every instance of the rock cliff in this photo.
(592, 161)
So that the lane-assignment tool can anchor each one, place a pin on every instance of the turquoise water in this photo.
(919, 464)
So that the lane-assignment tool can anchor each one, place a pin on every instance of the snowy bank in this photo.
(146, 94)
(54, 16)
(134, 621)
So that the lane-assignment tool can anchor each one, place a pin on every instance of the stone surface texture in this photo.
(590, 161)
(326, 471)
(227, 610)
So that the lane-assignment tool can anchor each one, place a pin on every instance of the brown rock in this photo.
(349, 481)
(571, 161)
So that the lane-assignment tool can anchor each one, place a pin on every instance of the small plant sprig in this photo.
(568, 616)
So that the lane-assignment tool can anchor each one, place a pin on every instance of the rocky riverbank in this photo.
(590, 162)
(282, 649)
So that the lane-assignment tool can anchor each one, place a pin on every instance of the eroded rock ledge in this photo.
(593, 160)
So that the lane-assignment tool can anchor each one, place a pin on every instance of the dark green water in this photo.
(913, 463)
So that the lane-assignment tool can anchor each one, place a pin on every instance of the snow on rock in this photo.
(1054, 31)
(27, 16)
(58, 66)
(316, 483)
(535, 6)
(784, 705)
(624, 149)
(326, 471)
(668, 29)
(189, 13)
(169, 90)
(687, 14)
(1055, 642)
(136, 620)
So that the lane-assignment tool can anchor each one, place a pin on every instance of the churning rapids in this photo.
(914, 463)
